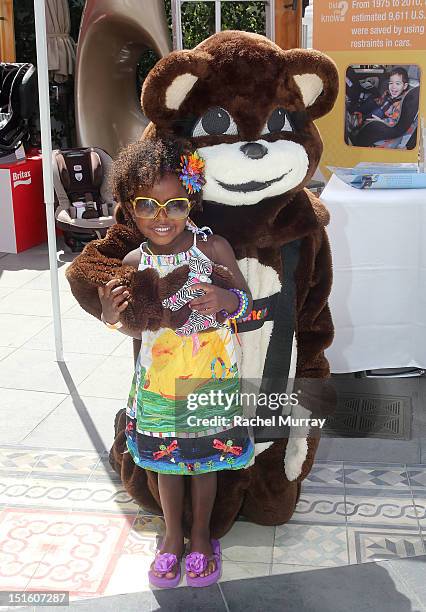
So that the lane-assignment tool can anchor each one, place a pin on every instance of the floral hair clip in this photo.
(192, 172)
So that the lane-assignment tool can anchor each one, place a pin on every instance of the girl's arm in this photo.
(223, 255)
(114, 296)
(216, 298)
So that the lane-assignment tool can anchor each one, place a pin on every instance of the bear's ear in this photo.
(317, 79)
(169, 82)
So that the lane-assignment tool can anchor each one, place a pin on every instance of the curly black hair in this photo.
(143, 163)
(400, 71)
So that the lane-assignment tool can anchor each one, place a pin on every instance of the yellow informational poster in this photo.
(379, 47)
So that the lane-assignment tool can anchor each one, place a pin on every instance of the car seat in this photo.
(84, 203)
(18, 95)
(376, 133)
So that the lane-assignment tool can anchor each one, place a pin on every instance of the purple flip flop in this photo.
(197, 562)
(163, 563)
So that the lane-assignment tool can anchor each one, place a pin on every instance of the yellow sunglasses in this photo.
(149, 208)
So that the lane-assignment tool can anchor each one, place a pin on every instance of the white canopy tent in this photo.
(46, 146)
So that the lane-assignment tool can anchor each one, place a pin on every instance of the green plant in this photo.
(24, 31)
(198, 19)
(247, 16)
(147, 60)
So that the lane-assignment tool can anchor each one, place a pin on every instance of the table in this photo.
(378, 299)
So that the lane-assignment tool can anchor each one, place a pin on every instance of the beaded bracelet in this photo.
(243, 303)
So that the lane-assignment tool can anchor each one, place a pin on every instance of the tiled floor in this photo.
(65, 520)
(66, 523)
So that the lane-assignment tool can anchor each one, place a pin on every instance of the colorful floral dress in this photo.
(177, 422)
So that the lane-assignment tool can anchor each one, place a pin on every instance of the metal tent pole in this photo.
(46, 149)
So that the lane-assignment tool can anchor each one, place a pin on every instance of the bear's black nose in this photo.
(254, 150)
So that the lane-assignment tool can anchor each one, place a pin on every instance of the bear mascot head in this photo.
(248, 107)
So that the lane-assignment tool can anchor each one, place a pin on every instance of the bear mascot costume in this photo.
(248, 107)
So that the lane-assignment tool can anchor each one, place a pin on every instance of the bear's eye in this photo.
(278, 122)
(214, 122)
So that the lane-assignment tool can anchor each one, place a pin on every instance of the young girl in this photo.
(160, 187)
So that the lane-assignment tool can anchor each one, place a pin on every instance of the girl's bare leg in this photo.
(203, 493)
(171, 489)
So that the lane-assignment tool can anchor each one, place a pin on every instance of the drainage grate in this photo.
(370, 416)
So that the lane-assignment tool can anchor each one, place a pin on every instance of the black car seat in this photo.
(84, 203)
(18, 96)
(373, 132)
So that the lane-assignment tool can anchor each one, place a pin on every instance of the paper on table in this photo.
(382, 176)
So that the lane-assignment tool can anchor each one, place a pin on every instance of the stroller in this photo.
(84, 204)
(18, 95)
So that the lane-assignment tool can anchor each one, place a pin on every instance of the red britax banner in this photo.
(22, 210)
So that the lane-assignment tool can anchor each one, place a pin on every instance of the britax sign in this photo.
(22, 208)
(21, 178)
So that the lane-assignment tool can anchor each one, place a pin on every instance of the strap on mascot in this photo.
(248, 107)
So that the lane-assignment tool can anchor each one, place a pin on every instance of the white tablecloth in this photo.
(378, 300)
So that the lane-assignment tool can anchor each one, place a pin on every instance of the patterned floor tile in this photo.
(81, 548)
(381, 510)
(375, 475)
(130, 575)
(324, 508)
(417, 475)
(16, 462)
(325, 474)
(420, 505)
(32, 493)
(248, 542)
(131, 571)
(321, 545)
(368, 544)
(66, 464)
(66, 494)
(19, 557)
(142, 537)
(104, 496)
(103, 470)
